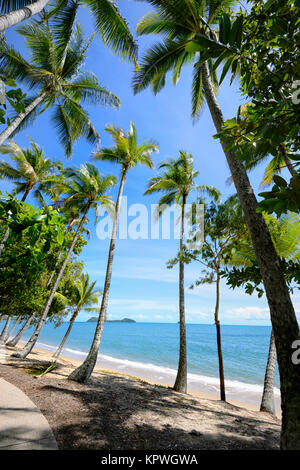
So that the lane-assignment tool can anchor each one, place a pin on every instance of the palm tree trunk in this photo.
(60, 348)
(8, 335)
(268, 402)
(17, 121)
(219, 343)
(181, 378)
(30, 344)
(6, 235)
(3, 333)
(84, 371)
(284, 322)
(18, 336)
(15, 17)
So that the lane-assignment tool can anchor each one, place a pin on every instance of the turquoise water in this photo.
(151, 349)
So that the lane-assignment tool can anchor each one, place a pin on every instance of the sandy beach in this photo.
(246, 398)
(117, 411)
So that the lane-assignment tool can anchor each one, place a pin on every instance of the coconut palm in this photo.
(87, 187)
(111, 26)
(177, 180)
(55, 76)
(285, 233)
(13, 16)
(5, 328)
(84, 295)
(127, 153)
(10, 332)
(180, 22)
(22, 330)
(31, 170)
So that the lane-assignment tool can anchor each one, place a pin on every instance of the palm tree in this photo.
(54, 75)
(179, 22)
(177, 181)
(13, 17)
(128, 153)
(32, 170)
(85, 186)
(10, 332)
(84, 296)
(5, 328)
(20, 333)
(111, 26)
(285, 234)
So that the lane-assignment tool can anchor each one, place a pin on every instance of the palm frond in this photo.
(113, 28)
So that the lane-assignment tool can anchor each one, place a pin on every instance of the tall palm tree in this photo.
(177, 180)
(285, 234)
(31, 170)
(26, 9)
(55, 76)
(84, 295)
(111, 26)
(87, 187)
(179, 22)
(127, 153)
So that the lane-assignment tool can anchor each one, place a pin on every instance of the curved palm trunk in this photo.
(219, 342)
(84, 371)
(20, 333)
(60, 348)
(15, 17)
(3, 333)
(268, 402)
(17, 121)
(6, 234)
(8, 335)
(181, 378)
(284, 322)
(30, 344)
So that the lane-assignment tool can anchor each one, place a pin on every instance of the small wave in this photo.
(234, 387)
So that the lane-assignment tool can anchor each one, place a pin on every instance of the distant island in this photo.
(124, 320)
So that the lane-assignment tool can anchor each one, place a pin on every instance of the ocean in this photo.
(150, 350)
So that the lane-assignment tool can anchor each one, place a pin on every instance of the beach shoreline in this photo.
(116, 411)
(45, 353)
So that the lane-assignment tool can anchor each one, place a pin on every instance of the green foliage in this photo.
(13, 96)
(268, 126)
(177, 180)
(224, 225)
(243, 270)
(127, 151)
(31, 169)
(55, 71)
(283, 196)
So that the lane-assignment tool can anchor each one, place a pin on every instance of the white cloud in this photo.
(249, 313)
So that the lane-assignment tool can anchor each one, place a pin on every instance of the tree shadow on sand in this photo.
(116, 412)
(119, 413)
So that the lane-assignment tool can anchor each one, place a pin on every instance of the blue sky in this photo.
(142, 288)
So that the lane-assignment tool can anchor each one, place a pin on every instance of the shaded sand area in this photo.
(117, 411)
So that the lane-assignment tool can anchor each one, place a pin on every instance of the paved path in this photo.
(22, 425)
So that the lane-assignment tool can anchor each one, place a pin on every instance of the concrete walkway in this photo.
(22, 425)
